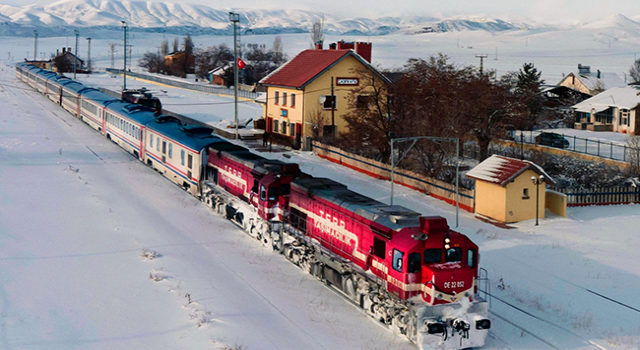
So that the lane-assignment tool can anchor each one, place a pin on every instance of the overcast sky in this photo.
(554, 11)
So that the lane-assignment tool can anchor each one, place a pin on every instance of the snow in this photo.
(70, 242)
(621, 97)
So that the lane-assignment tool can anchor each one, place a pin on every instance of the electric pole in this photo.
(89, 54)
(75, 59)
(481, 57)
(35, 44)
(112, 50)
(235, 18)
(124, 71)
(333, 112)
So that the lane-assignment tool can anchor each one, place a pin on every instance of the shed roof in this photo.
(503, 170)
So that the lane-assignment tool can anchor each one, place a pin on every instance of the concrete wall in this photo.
(557, 203)
(378, 170)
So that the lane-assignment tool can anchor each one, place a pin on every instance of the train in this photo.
(410, 272)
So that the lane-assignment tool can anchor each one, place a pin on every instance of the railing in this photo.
(208, 88)
(610, 150)
(601, 195)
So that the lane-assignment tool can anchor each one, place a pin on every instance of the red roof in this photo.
(304, 67)
(503, 170)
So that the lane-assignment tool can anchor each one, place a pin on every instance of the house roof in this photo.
(621, 97)
(308, 65)
(503, 170)
(591, 80)
(67, 53)
(220, 69)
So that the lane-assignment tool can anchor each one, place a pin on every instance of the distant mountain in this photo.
(61, 17)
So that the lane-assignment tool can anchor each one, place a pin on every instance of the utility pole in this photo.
(333, 112)
(481, 57)
(124, 70)
(235, 18)
(75, 59)
(89, 54)
(35, 44)
(112, 49)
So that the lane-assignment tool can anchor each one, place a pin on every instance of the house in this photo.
(591, 83)
(505, 190)
(217, 75)
(176, 60)
(42, 64)
(615, 109)
(70, 58)
(300, 101)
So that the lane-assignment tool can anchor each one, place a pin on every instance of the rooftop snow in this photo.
(621, 97)
(503, 170)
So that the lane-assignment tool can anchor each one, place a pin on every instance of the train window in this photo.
(170, 150)
(151, 141)
(189, 161)
(254, 189)
(432, 256)
(285, 189)
(471, 258)
(164, 147)
(182, 157)
(453, 255)
(263, 193)
(413, 265)
(379, 248)
(273, 193)
(397, 260)
(158, 144)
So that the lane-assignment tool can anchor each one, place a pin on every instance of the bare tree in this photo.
(634, 71)
(176, 44)
(278, 50)
(164, 48)
(317, 119)
(212, 57)
(152, 62)
(633, 146)
(317, 32)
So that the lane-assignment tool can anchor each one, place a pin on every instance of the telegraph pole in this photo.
(35, 44)
(333, 112)
(124, 70)
(235, 18)
(75, 59)
(112, 49)
(481, 57)
(89, 54)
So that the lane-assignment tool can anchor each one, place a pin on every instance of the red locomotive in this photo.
(410, 272)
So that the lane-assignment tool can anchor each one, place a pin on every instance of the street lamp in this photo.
(124, 71)
(537, 181)
(235, 18)
(75, 59)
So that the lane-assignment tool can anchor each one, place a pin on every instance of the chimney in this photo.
(319, 45)
(598, 74)
(364, 50)
(345, 46)
(57, 52)
(584, 69)
(64, 49)
(332, 46)
(69, 49)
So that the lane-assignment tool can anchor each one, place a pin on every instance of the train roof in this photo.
(395, 217)
(253, 161)
(98, 96)
(138, 113)
(193, 136)
(47, 74)
(59, 79)
(73, 86)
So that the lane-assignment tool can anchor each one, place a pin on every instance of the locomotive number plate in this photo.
(459, 284)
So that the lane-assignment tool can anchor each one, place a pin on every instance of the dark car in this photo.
(552, 139)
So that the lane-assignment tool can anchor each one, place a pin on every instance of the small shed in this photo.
(505, 190)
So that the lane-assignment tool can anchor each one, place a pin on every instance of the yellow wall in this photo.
(518, 208)
(576, 84)
(557, 203)
(490, 200)
(307, 100)
(273, 110)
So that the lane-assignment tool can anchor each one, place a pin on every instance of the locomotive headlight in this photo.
(483, 324)
(447, 240)
(447, 246)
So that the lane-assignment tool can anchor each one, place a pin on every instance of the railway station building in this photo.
(309, 95)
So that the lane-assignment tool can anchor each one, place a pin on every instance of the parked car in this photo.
(552, 139)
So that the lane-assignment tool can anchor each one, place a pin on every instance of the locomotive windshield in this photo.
(453, 255)
(432, 256)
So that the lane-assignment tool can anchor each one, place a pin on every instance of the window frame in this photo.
(328, 98)
(276, 98)
(293, 100)
(397, 257)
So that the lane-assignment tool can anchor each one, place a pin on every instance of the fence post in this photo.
(574, 143)
(598, 148)
(611, 153)
(586, 142)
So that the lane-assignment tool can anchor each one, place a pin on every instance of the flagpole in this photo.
(235, 18)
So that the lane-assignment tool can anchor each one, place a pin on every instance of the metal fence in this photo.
(610, 150)
(208, 88)
(601, 195)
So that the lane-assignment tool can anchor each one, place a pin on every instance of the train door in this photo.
(164, 151)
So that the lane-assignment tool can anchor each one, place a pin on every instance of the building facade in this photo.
(615, 109)
(591, 83)
(309, 95)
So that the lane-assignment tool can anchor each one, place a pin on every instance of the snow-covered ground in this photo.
(72, 276)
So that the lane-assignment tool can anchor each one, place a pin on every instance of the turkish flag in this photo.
(240, 63)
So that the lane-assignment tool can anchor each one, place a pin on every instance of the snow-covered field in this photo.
(76, 213)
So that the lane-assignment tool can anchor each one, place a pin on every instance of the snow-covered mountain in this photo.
(172, 17)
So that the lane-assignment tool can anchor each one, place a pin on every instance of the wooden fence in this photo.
(433, 187)
(601, 196)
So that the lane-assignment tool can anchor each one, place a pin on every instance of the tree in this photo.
(527, 92)
(152, 62)
(176, 44)
(62, 64)
(278, 50)
(317, 32)
(211, 58)
(634, 71)
(164, 48)
(188, 55)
